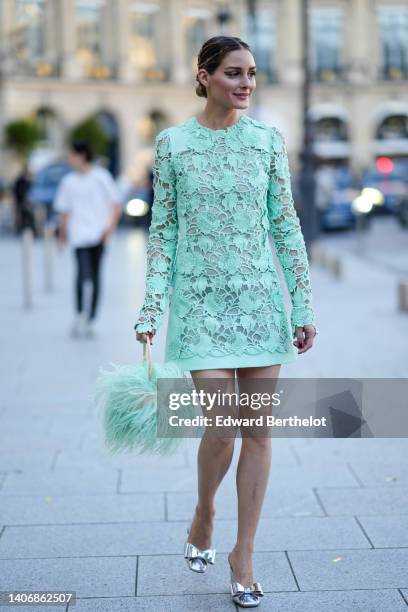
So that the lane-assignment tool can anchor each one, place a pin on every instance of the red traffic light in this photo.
(385, 165)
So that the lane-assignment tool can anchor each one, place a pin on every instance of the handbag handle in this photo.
(147, 353)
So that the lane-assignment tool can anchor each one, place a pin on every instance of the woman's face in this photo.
(233, 82)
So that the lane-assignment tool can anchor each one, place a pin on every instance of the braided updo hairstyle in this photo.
(212, 53)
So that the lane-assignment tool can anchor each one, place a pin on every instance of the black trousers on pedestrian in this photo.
(88, 261)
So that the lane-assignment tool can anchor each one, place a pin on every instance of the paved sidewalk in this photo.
(334, 529)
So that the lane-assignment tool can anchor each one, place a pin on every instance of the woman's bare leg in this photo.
(252, 475)
(213, 461)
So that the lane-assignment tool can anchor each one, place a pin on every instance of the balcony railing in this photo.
(15, 67)
(393, 73)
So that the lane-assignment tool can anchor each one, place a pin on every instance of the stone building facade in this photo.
(132, 65)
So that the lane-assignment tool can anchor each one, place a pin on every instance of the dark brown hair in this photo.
(213, 52)
(82, 147)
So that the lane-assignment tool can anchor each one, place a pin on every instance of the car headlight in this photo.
(361, 204)
(374, 195)
(136, 207)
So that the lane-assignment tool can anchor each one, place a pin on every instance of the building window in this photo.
(330, 129)
(392, 127)
(393, 24)
(51, 127)
(197, 29)
(326, 43)
(33, 41)
(94, 36)
(260, 32)
(145, 48)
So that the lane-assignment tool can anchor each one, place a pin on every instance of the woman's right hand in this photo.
(142, 337)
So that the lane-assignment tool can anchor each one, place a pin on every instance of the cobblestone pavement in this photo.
(333, 534)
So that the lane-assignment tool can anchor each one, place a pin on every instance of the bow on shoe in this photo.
(237, 589)
(192, 552)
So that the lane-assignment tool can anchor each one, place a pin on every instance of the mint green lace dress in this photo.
(217, 194)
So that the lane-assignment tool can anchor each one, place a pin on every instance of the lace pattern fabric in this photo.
(162, 242)
(217, 195)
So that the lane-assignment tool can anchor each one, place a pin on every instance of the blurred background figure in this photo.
(89, 204)
(325, 183)
(23, 212)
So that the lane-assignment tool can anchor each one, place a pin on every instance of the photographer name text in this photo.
(259, 421)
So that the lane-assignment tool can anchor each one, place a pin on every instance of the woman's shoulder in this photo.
(169, 133)
(270, 129)
(251, 121)
(175, 137)
(189, 135)
(246, 120)
(191, 123)
(263, 135)
(176, 126)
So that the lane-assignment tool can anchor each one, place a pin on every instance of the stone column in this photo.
(361, 47)
(361, 41)
(69, 66)
(123, 23)
(176, 42)
(7, 18)
(110, 35)
(163, 36)
(52, 27)
(7, 21)
(289, 42)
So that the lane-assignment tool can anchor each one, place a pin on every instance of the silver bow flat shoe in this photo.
(198, 558)
(248, 596)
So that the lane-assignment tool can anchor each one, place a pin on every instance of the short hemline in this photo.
(235, 361)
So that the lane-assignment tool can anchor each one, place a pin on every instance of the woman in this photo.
(221, 181)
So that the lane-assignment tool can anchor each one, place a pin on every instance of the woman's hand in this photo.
(142, 337)
(304, 338)
(61, 243)
(106, 235)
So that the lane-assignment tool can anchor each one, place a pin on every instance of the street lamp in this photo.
(253, 24)
(4, 57)
(253, 35)
(307, 186)
(223, 16)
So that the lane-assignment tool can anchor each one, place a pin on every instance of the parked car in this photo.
(402, 207)
(137, 208)
(43, 189)
(138, 202)
(336, 188)
(386, 184)
(402, 211)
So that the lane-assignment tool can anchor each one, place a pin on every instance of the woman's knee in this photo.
(220, 443)
(256, 442)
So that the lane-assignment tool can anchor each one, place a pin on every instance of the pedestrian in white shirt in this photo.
(90, 207)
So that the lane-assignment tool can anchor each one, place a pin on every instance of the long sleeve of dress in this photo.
(287, 234)
(162, 240)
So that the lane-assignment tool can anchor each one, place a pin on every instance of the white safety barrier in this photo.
(48, 257)
(27, 239)
(403, 295)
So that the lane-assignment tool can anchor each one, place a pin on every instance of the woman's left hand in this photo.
(304, 338)
(106, 235)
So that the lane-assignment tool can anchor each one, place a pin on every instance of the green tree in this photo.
(91, 131)
(22, 135)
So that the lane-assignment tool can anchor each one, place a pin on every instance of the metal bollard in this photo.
(48, 260)
(403, 295)
(332, 263)
(326, 260)
(317, 255)
(27, 260)
(335, 266)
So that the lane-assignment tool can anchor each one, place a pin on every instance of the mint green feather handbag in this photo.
(128, 410)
